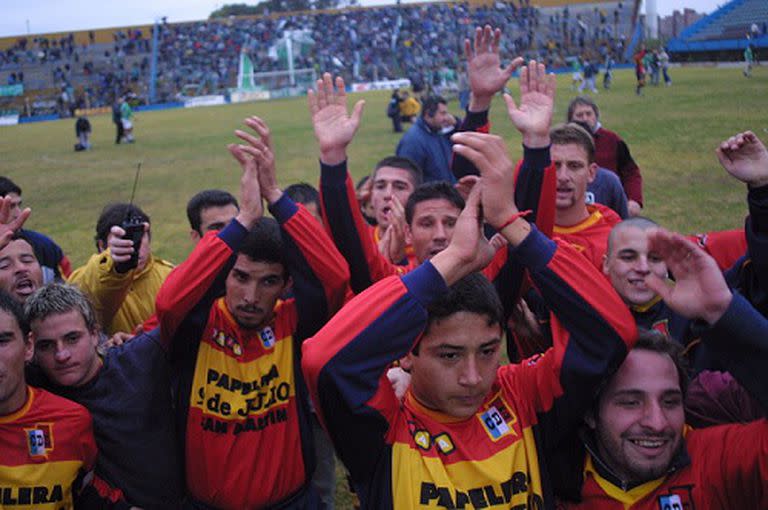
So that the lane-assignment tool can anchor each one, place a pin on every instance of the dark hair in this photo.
(8, 186)
(205, 199)
(114, 214)
(13, 308)
(473, 294)
(263, 243)
(429, 191)
(429, 105)
(303, 193)
(362, 182)
(582, 101)
(417, 176)
(572, 133)
(660, 343)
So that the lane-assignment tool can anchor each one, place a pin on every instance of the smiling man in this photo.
(639, 455)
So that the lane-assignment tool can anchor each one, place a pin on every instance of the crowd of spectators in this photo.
(420, 42)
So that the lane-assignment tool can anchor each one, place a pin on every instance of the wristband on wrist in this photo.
(514, 218)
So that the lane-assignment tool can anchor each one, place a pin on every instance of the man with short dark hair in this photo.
(210, 209)
(242, 406)
(611, 151)
(467, 432)
(426, 143)
(123, 297)
(55, 264)
(127, 391)
(308, 196)
(20, 271)
(636, 451)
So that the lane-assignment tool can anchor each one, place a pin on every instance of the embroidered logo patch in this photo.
(661, 326)
(224, 340)
(498, 420)
(39, 439)
(670, 502)
(444, 443)
(267, 337)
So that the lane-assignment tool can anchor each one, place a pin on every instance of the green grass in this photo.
(672, 133)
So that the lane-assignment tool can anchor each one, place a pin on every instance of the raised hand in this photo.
(334, 126)
(469, 250)
(489, 154)
(486, 76)
(392, 243)
(745, 157)
(699, 291)
(263, 154)
(251, 206)
(120, 249)
(9, 227)
(537, 100)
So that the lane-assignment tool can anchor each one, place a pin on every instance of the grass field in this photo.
(672, 133)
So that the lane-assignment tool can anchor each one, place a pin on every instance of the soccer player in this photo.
(127, 391)
(242, 404)
(629, 259)
(467, 432)
(637, 453)
(47, 443)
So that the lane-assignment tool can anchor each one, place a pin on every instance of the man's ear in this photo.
(605, 264)
(592, 171)
(29, 348)
(406, 362)
(195, 236)
(288, 284)
(589, 419)
(101, 245)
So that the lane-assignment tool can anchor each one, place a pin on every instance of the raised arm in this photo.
(319, 272)
(591, 327)
(195, 283)
(334, 130)
(486, 78)
(345, 364)
(739, 334)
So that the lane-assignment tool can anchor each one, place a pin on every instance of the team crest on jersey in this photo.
(227, 341)
(661, 326)
(498, 420)
(268, 339)
(678, 498)
(39, 439)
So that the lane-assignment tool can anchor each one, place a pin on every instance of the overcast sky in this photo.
(65, 15)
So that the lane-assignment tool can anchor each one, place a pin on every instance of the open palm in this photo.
(334, 127)
(537, 100)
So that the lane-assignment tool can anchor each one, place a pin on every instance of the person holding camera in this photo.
(123, 278)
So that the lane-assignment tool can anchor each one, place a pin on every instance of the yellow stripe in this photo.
(21, 412)
(629, 497)
(508, 478)
(591, 220)
(227, 388)
(39, 483)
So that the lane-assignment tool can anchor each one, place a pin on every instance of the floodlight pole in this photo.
(153, 62)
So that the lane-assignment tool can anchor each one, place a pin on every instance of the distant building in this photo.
(672, 26)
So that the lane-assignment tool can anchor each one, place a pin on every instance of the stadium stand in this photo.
(725, 33)
(362, 44)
